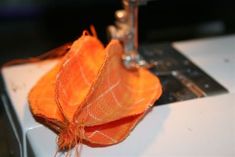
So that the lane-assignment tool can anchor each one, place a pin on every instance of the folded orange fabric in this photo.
(90, 97)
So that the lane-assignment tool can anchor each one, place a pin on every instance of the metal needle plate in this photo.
(181, 79)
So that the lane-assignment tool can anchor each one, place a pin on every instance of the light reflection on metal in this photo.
(126, 30)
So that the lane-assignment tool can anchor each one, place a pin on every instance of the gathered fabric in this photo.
(90, 97)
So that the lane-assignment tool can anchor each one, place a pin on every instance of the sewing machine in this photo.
(199, 71)
(182, 79)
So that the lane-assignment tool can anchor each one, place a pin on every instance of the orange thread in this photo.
(93, 31)
(55, 53)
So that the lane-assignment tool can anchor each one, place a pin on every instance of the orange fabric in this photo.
(79, 70)
(42, 100)
(90, 96)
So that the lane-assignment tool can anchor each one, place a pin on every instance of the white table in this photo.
(199, 127)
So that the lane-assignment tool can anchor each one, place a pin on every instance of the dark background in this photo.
(31, 27)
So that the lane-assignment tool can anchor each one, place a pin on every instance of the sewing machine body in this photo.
(196, 127)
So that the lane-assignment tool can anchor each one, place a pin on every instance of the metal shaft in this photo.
(131, 8)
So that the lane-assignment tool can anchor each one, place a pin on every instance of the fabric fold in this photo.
(90, 96)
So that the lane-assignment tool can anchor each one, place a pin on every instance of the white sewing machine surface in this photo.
(196, 127)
